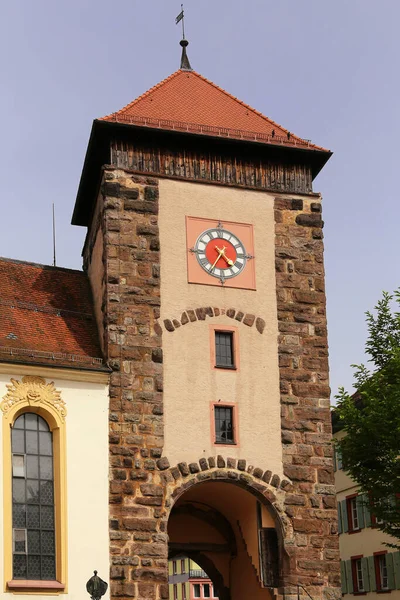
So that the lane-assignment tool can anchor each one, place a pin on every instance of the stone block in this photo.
(203, 464)
(267, 476)
(249, 319)
(184, 469)
(220, 462)
(163, 463)
(309, 220)
(192, 315)
(168, 325)
(260, 325)
(150, 489)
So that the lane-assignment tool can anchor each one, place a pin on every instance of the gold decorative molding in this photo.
(34, 391)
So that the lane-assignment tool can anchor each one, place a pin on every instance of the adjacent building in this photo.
(188, 581)
(368, 565)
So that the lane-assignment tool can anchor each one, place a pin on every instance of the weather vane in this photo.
(181, 17)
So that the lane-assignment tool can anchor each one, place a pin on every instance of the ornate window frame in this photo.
(33, 394)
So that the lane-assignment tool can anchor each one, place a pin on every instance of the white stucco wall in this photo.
(87, 483)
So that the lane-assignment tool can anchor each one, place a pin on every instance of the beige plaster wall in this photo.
(190, 384)
(365, 542)
(87, 483)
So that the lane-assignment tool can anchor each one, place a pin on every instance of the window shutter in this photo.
(269, 556)
(339, 514)
(360, 511)
(334, 460)
(367, 511)
(365, 574)
(349, 576)
(344, 516)
(371, 569)
(396, 569)
(390, 570)
(343, 576)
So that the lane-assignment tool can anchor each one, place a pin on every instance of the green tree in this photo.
(370, 418)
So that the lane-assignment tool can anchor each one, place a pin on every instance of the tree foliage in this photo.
(371, 417)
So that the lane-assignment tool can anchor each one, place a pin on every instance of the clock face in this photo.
(220, 253)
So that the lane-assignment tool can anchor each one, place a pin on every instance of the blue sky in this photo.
(327, 71)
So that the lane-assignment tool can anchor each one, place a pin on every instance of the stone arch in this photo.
(201, 313)
(268, 488)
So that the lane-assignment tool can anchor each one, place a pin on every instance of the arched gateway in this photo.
(211, 520)
(205, 256)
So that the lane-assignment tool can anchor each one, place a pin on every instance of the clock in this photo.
(220, 253)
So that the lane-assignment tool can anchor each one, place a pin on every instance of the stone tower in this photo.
(205, 255)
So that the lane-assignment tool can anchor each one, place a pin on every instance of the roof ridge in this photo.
(152, 89)
(39, 265)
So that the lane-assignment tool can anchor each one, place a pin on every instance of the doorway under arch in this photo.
(232, 535)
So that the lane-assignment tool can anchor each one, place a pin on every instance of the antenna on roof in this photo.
(185, 64)
(54, 238)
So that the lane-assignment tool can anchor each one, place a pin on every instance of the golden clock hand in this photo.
(228, 260)
(217, 259)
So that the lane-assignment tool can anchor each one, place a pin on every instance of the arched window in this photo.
(33, 522)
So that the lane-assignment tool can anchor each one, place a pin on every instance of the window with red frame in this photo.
(183, 591)
(357, 575)
(175, 592)
(352, 514)
(183, 568)
(381, 572)
(174, 567)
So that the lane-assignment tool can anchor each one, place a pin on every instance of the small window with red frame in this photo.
(357, 575)
(381, 572)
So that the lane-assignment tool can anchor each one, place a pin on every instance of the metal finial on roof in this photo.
(185, 64)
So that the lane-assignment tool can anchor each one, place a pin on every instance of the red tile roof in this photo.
(46, 316)
(187, 101)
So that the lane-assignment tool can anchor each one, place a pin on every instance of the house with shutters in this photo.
(367, 565)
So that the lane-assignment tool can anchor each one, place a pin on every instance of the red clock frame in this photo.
(245, 279)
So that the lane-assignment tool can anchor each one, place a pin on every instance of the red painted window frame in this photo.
(378, 573)
(354, 577)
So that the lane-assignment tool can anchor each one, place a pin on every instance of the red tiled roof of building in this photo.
(46, 316)
(187, 101)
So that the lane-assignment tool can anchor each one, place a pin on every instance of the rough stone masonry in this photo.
(141, 478)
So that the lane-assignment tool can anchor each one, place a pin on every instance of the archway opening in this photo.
(231, 535)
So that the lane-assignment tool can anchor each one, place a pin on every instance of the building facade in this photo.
(204, 255)
(187, 580)
(53, 434)
(368, 566)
